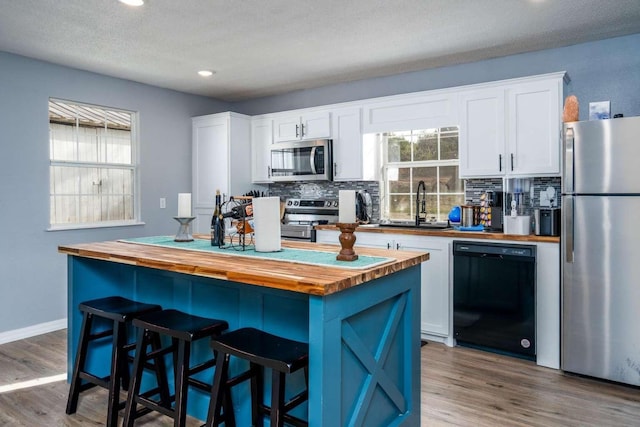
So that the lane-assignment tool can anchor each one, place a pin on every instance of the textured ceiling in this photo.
(266, 47)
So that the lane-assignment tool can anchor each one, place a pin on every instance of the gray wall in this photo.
(32, 273)
(599, 71)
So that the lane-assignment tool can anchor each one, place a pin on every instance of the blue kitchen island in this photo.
(361, 320)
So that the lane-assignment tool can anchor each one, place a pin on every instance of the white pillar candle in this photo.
(184, 205)
(347, 206)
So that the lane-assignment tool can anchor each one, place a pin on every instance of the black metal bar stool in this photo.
(262, 350)
(183, 329)
(121, 312)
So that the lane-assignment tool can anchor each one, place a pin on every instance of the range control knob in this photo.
(296, 203)
(335, 204)
(289, 202)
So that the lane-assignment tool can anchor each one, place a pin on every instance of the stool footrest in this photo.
(240, 378)
(202, 366)
(295, 421)
(93, 381)
(201, 385)
(290, 419)
(296, 400)
(161, 352)
(103, 334)
(152, 405)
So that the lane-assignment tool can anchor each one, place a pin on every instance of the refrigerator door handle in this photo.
(568, 160)
(568, 226)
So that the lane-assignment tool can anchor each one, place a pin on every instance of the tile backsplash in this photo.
(326, 189)
(473, 190)
(475, 187)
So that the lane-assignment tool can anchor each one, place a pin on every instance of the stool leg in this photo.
(219, 387)
(182, 384)
(160, 369)
(81, 357)
(117, 356)
(125, 378)
(134, 385)
(257, 394)
(277, 399)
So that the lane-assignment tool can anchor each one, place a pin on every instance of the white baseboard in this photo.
(32, 331)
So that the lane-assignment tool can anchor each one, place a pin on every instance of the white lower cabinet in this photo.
(435, 307)
(437, 286)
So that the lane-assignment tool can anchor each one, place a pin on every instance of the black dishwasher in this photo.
(494, 297)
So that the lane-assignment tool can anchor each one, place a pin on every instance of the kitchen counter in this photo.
(295, 277)
(346, 315)
(369, 228)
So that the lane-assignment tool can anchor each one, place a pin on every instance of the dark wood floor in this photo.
(460, 387)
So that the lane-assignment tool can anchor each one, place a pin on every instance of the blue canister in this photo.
(454, 214)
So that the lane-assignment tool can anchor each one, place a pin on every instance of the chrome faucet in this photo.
(421, 203)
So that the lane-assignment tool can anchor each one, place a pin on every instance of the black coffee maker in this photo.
(495, 199)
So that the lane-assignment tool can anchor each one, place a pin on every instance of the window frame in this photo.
(133, 166)
(386, 165)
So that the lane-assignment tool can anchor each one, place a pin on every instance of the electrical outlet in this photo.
(163, 203)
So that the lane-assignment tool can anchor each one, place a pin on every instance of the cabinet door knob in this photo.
(397, 246)
(512, 161)
(388, 245)
(500, 162)
(302, 126)
(297, 131)
(269, 171)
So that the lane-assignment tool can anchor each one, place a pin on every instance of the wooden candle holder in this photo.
(347, 240)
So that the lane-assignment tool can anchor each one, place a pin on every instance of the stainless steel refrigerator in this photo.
(601, 249)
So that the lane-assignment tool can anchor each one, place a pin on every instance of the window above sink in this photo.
(408, 157)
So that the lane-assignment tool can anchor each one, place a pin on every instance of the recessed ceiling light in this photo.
(205, 73)
(132, 2)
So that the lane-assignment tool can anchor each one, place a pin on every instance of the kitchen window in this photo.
(93, 169)
(429, 155)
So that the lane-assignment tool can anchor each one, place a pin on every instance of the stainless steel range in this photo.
(301, 215)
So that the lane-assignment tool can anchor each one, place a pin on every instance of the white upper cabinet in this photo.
(481, 137)
(261, 139)
(294, 127)
(220, 144)
(512, 128)
(347, 144)
(534, 128)
(407, 112)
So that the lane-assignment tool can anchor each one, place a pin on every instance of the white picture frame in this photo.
(599, 110)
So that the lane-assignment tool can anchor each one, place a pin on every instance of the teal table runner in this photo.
(302, 256)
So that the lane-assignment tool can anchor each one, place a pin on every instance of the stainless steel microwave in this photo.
(302, 161)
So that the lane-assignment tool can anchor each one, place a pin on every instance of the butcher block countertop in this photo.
(297, 277)
(448, 233)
